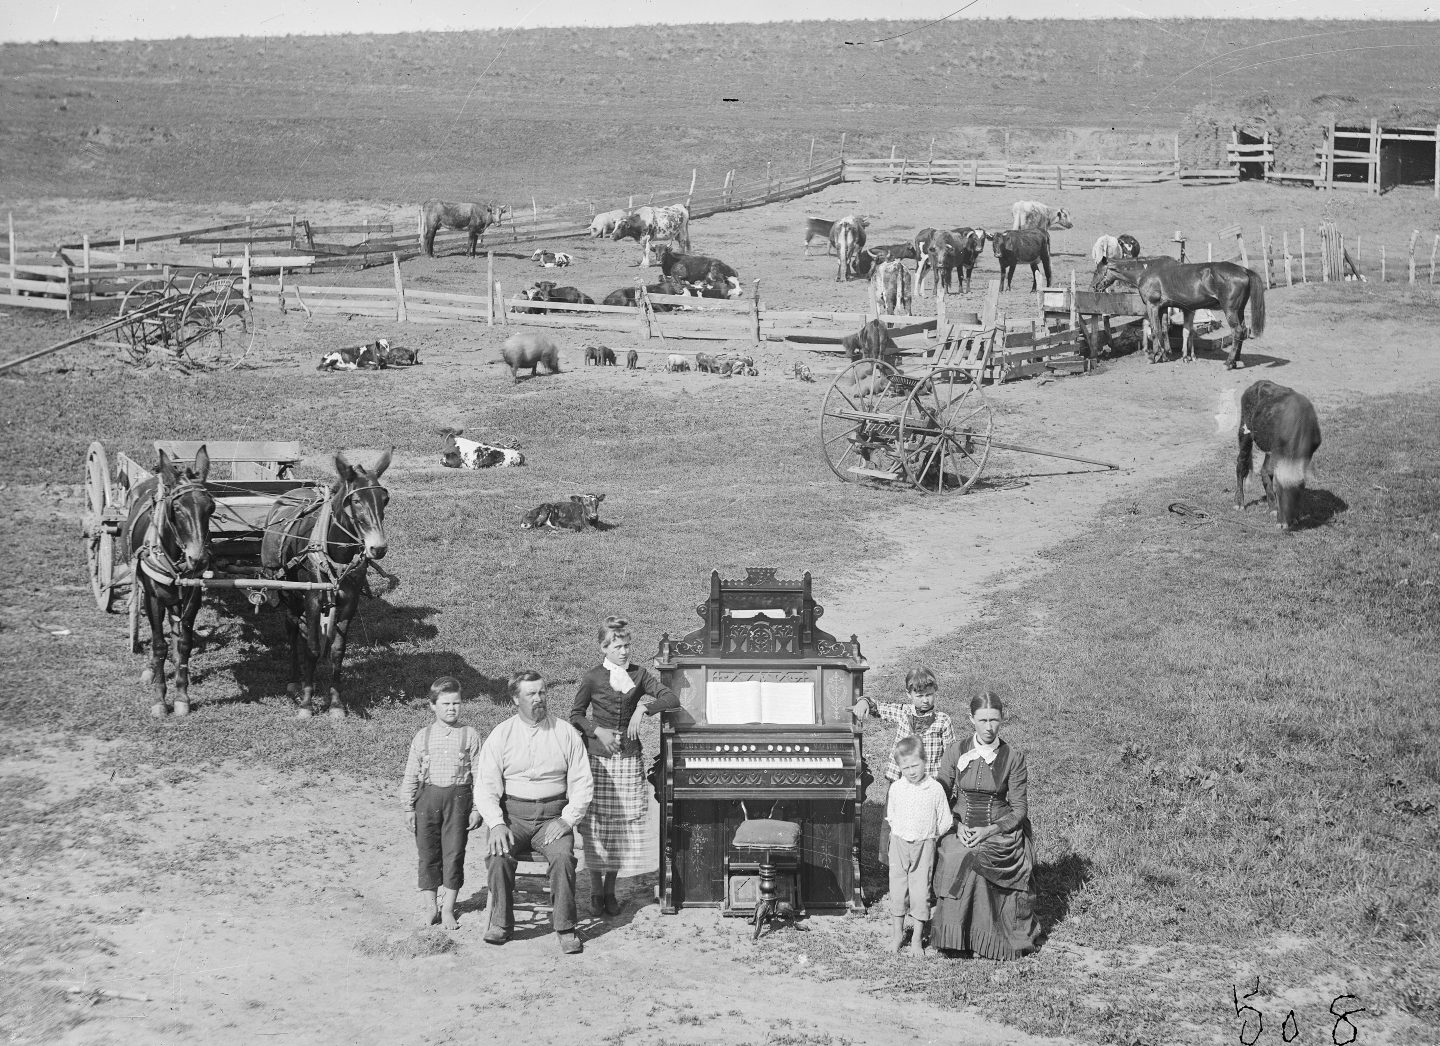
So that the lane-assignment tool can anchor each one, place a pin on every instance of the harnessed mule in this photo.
(330, 539)
(167, 536)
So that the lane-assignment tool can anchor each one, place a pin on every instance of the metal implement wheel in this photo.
(859, 421)
(142, 310)
(945, 432)
(99, 542)
(214, 309)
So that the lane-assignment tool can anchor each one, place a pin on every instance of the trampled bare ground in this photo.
(238, 898)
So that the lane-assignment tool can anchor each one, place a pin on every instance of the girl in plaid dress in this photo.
(609, 706)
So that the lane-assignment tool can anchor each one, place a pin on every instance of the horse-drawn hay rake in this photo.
(185, 323)
(931, 429)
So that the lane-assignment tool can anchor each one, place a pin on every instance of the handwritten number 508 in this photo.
(1252, 1021)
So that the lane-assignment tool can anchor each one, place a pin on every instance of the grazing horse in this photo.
(474, 218)
(1203, 285)
(332, 537)
(1014, 246)
(167, 538)
(1282, 423)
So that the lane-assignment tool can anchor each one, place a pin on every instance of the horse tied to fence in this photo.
(331, 538)
(167, 532)
(1164, 284)
(1282, 423)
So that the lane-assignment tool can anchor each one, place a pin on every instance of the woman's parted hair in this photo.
(613, 627)
(989, 699)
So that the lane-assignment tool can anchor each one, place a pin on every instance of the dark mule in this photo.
(1203, 285)
(166, 537)
(332, 538)
(1282, 423)
(1028, 246)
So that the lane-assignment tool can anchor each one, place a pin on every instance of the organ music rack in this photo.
(764, 721)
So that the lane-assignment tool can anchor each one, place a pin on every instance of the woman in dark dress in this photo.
(609, 706)
(983, 883)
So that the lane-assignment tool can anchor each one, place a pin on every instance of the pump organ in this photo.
(764, 728)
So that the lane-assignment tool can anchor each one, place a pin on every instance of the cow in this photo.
(1028, 214)
(892, 287)
(717, 285)
(942, 257)
(474, 218)
(848, 237)
(1022, 245)
(706, 364)
(676, 362)
(870, 342)
(551, 259)
(369, 356)
(603, 224)
(1282, 423)
(1129, 246)
(819, 229)
(529, 349)
(1106, 247)
(893, 252)
(655, 223)
(694, 267)
(632, 360)
(458, 453)
(545, 290)
(631, 295)
(581, 511)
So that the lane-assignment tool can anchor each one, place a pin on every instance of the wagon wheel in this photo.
(859, 419)
(99, 542)
(945, 432)
(141, 311)
(212, 312)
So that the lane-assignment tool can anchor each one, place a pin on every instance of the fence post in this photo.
(930, 163)
(1433, 248)
(1285, 243)
(292, 231)
(1413, 237)
(1244, 254)
(1358, 237)
(1209, 251)
(400, 314)
(755, 310)
(810, 163)
(842, 145)
(974, 172)
(1304, 276)
(767, 181)
(245, 283)
(85, 244)
(1177, 156)
(1059, 182)
(1265, 258)
(694, 173)
(498, 303)
(941, 324)
(642, 317)
(11, 221)
(892, 164)
(1382, 261)
(280, 294)
(490, 283)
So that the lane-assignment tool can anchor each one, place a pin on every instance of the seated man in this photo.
(532, 789)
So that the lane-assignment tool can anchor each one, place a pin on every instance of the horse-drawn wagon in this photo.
(158, 539)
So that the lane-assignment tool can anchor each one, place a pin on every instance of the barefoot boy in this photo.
(918, 813)
(438, 792)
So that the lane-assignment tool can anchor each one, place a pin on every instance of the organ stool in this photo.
(765, 871)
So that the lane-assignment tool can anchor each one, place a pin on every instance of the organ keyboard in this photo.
(764, 728)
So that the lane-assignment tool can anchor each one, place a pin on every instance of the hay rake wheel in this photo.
(945, 432)
(859, 421)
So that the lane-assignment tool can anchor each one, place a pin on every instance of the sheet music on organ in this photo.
(744, 695)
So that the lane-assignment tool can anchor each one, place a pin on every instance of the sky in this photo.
(27, 20)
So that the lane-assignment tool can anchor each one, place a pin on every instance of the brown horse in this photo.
(1204, 285)
(1282, 423)
(167, 537)
(329, 539)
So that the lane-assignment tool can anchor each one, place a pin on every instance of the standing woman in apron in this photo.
(609, 706)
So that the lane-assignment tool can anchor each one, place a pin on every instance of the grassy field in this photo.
(1233, 765)
(619, 111)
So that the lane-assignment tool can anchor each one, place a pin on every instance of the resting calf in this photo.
(581, 511)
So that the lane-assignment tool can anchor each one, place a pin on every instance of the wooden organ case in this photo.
(764, 720)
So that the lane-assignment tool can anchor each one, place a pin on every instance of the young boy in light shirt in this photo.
(918, 813)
